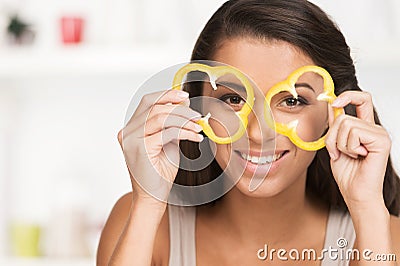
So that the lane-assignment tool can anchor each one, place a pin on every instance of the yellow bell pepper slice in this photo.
(214, 72)
(290, 129)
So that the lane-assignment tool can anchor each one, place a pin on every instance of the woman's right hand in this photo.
(150, 142)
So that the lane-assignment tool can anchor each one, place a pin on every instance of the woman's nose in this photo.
(258, 130)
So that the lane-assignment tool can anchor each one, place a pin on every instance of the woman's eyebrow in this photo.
(232, 85)
(241, 88)
(306, 85)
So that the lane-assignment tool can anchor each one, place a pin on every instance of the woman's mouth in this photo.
(261, 159)
(260, 163)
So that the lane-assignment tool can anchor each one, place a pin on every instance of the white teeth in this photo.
(262, 159)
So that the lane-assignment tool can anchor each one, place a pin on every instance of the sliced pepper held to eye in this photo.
(214, 72)
(290, 129)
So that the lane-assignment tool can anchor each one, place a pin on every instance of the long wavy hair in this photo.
(307, 27)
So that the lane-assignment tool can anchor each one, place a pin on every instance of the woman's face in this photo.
(267, 63)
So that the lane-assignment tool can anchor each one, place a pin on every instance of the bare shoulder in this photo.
(115, 225)
(395, 229)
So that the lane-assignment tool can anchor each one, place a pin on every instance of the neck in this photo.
(275, 219)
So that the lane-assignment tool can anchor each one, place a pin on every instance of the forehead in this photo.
(265, 62)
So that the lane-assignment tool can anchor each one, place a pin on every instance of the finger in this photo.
(361, 100)
(159, 109)
(156, 141)
(162, 121)
(354, 142)
(342, 137)
(331, 137)
(160, 97)
(343, 142)
(331, 116)
(375, 139)
(176, 109)
(352, 135)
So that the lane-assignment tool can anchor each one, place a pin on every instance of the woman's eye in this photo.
(292, 102)
(235, 101)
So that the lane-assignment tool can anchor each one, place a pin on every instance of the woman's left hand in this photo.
(359, 151)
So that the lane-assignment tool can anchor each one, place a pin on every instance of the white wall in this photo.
(360, 18)
(64, 151)
(117, 22)
(5, 100)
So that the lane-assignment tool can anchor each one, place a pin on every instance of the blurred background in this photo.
(68, 70)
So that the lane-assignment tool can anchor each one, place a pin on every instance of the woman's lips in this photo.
(259, 164)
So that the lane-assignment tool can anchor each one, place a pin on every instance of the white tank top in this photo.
(182, 220)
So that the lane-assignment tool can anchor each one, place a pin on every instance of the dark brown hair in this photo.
(307, 27)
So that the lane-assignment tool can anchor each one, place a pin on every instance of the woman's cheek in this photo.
(312, 127)
(223, 155)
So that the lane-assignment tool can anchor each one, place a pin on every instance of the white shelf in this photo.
(18, 62)
(32, 62)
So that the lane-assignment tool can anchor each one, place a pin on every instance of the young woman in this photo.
(309, 200)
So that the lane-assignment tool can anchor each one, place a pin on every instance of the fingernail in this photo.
(183, 94)
(198, 128)
(196, 118)
(201, 137)
(340, 102)
(332, 155)
(187, 102)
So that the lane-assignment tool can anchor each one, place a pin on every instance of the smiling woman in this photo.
(305, 199)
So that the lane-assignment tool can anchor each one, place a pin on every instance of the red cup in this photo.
(71, 29)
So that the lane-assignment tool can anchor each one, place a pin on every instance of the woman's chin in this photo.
(268, 187)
